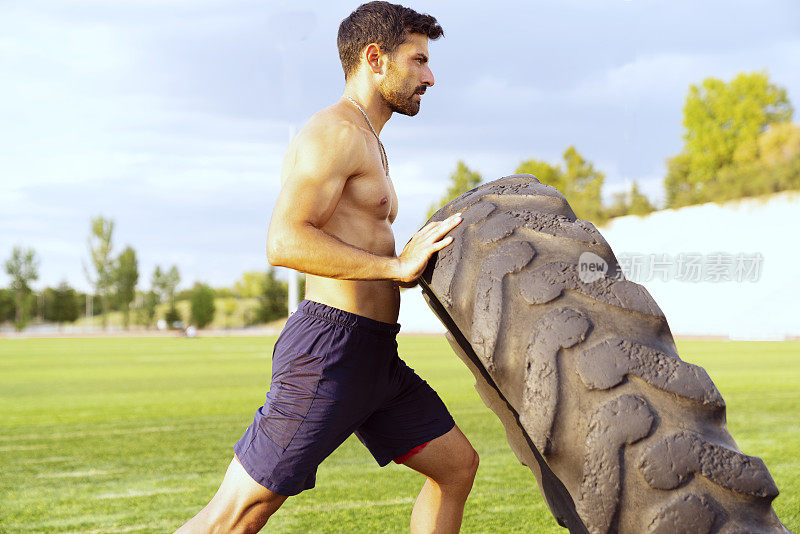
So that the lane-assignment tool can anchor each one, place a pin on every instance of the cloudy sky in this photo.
(171, 116)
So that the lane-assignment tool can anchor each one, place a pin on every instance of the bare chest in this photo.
(372, 194)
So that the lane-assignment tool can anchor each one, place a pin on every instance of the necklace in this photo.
(384, 159)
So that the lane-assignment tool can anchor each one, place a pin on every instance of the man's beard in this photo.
(399, 99)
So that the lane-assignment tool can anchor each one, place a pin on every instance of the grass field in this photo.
(134, 435)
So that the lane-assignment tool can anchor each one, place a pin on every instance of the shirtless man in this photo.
(335, 366)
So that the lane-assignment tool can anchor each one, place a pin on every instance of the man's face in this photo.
(407, 75)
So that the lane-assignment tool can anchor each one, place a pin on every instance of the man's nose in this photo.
(427, 77)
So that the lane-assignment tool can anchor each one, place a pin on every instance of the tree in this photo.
(545, 172)
(126, 276)
(172, 317)
(251, 285)
(7, 307)
(100, 245)
(274, 298)
(23, 268)
(722, 123)
(639, 203)
(776, 169)
(272, 293)
(163, 284)
(146, 315)
(158, 283)
(584, 186)
(229, 307)
(171, 280)
(61, 304)
(780, 143)
(677, 187)
(620, 205)
(202, 305)
(224, 292)
(461, 180)
(578, 180)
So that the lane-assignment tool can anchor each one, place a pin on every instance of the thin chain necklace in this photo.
(384, 159)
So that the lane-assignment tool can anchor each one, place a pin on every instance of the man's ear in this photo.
(372, 55)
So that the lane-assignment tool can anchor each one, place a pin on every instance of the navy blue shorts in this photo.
(335, 373)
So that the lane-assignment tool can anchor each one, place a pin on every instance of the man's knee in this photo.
(462, 474)
(471, 464)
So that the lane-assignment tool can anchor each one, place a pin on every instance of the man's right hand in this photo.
(419, 249)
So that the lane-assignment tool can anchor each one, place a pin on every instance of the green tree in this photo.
(146, 314)
(780, 143)
(722, 123)
(126, 276)
(250, 285)
(7, 307)
(171, 280)
(100, 245)
(274, 298)
(620, 205)
(61, 304)
(164, 284)
(173, 316)
(545, 172)
(158, 283)
(202, 305)
(639, 203)
(229, 307)
(584, 186)
(776, 169)
(578, 180)
(184, 294)
(678, 189)
(630, 202)
(23, 268)
(224, 292)
(461, 180)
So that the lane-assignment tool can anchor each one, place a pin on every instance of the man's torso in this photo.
(362, 218)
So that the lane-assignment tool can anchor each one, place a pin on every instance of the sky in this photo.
(171, 116)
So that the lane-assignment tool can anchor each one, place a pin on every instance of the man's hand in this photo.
(421, 246)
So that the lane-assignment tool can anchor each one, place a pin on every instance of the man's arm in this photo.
(318, 169)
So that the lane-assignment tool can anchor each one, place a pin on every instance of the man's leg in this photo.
(450, 463)
(240, 505)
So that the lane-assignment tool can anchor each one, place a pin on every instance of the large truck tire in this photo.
(582, 370)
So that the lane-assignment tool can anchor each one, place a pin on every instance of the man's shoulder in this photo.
(332, 127)
(328, 144)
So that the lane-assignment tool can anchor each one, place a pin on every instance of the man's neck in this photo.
(372, 103)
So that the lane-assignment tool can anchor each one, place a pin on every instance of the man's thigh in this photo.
(287, 441)
(411, 415)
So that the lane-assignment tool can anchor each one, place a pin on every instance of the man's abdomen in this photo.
(376, 299)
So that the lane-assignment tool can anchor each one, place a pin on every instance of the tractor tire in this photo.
(582, 370)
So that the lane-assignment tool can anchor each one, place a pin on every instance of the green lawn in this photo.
(134, 435)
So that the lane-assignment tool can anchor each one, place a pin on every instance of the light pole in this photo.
(294, 279)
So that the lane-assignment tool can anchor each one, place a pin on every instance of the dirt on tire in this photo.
(582, 370)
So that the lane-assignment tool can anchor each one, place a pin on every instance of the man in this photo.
(335, 366)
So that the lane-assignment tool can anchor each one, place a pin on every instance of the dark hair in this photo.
(382, 23)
